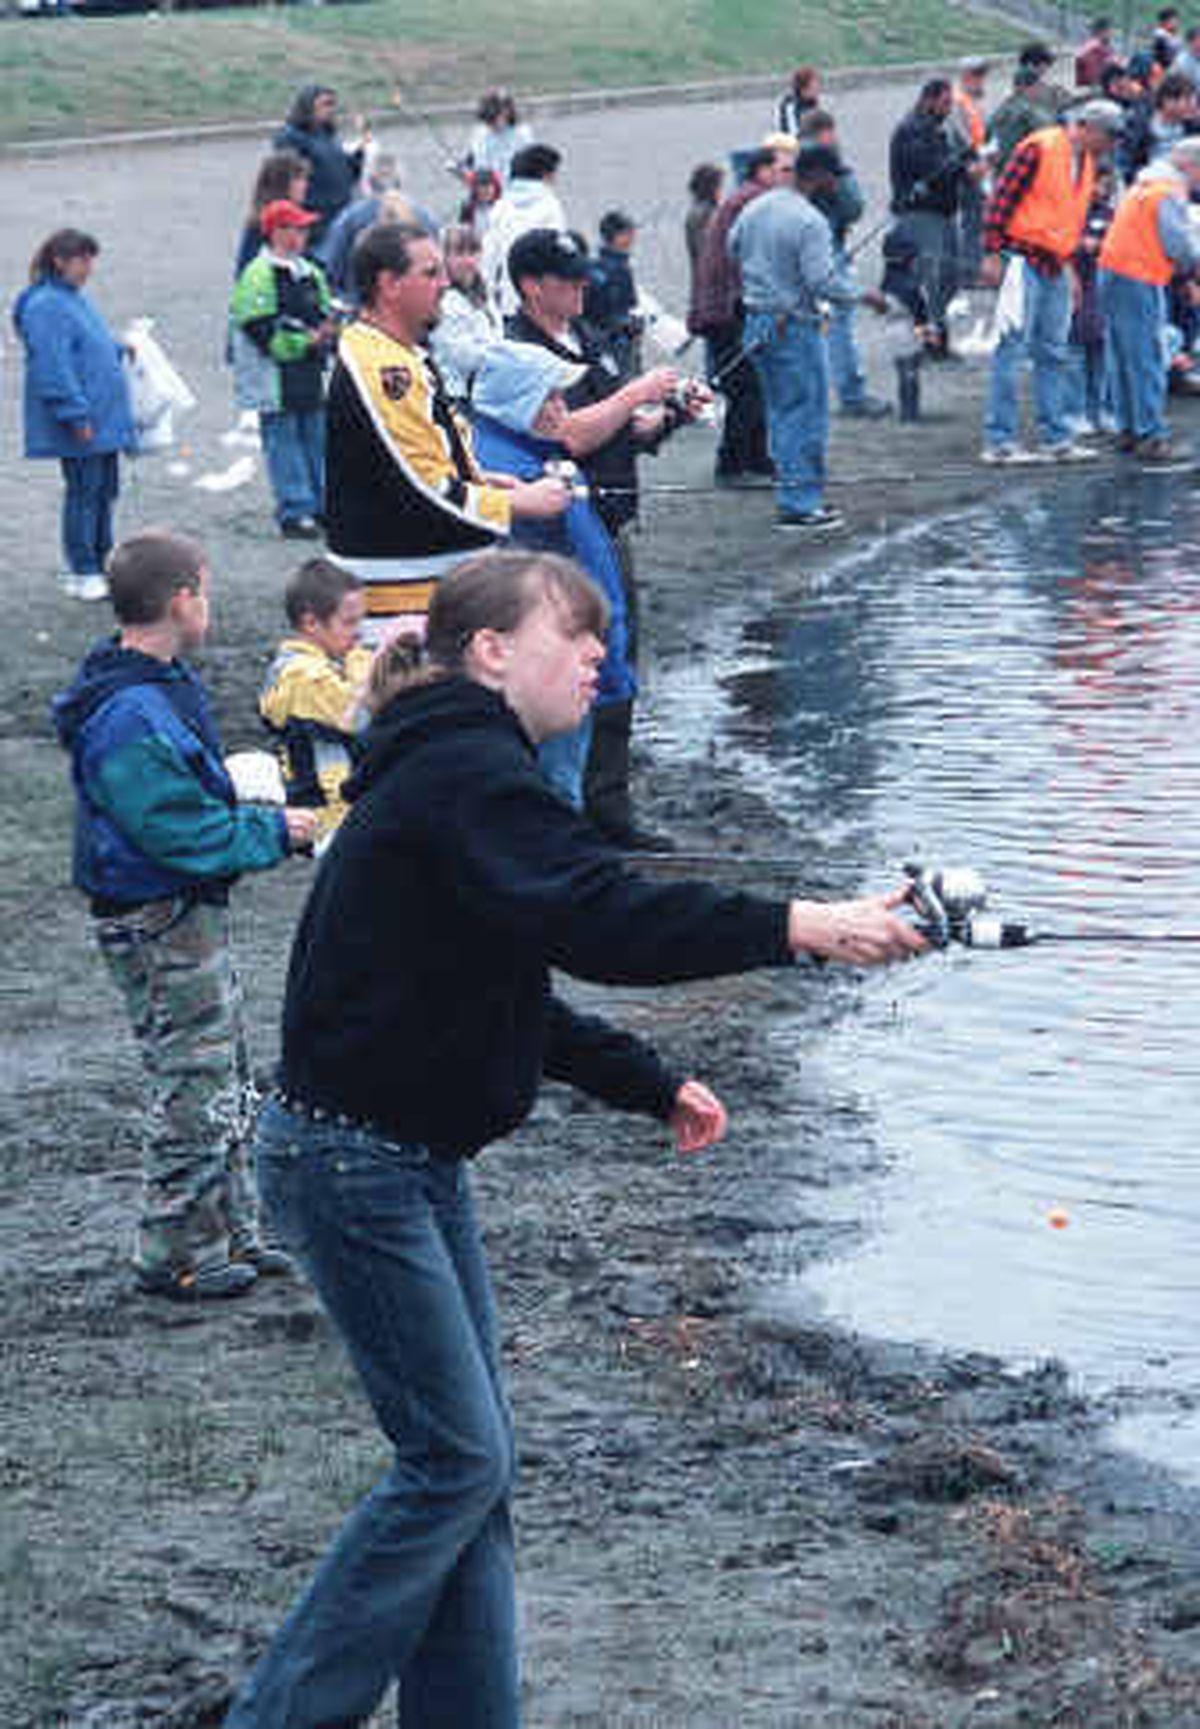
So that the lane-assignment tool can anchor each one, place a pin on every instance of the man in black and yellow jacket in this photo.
(405, 498)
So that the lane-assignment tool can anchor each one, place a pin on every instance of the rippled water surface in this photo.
(1019, 690)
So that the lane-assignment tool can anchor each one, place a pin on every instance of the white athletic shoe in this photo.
(90, 586)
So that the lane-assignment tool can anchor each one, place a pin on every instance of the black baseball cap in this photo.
(546, 252)
(816, 159)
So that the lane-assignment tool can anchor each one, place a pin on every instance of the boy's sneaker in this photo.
(823, 520)
(300, 528)
(212, 1279)
(268, 1263)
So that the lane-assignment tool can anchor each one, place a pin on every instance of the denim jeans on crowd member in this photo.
(1042, 339)
(937, 258)
(563, 759)
(845, 363)
(418, 1585)
(1084, 398)
(792, 365)
(1135, 315)
(92, 484)
(293, 443)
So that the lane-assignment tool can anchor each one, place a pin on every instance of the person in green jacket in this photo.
(282, 333)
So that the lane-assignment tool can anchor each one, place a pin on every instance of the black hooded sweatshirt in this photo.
(419, 996)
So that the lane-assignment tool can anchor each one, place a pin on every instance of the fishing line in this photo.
(886, 477)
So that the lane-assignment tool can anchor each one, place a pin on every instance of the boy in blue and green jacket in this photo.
(159, 841)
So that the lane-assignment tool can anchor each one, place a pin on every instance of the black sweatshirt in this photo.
(419, 996)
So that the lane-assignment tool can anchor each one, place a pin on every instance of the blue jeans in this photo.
(845, 362)
(418, 1584)
(294, 445)
(793, 369)
(1042, 340)
(563, 759)
(1084, 397)
(92, 484)
(1135, 315)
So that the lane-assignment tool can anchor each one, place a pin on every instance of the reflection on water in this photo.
(1018, 691)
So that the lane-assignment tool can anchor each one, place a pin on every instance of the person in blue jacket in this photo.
(517, 406)
(311, 129)
(77, 406)
(159, 840)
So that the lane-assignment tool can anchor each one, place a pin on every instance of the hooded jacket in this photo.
(418, 996)
(156, 815)
(526, 204)
(73, 374)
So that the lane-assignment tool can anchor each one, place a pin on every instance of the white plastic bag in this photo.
(257, 777)
(1009, 316)
(156, 390)
(668, 334)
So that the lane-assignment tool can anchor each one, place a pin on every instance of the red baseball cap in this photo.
(282, 213)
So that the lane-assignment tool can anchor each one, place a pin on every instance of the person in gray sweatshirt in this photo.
(783, 246)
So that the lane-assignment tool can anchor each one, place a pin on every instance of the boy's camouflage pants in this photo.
(172, 963)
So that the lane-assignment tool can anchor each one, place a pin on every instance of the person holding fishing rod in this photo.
(610, 419)
(841, 206)
(929, 167)
(718, 315)
(419, 1021)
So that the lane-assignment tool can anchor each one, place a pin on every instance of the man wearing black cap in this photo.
(784, 248)
(609, 420)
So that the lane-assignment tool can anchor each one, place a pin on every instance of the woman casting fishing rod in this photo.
(419, 1020)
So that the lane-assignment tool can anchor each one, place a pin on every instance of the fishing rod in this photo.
(402, 99)
(950, 904)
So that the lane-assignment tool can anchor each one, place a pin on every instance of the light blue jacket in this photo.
(73, 374)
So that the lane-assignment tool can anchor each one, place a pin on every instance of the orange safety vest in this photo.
(1132, 246)
(972, 114)
(1051, 215)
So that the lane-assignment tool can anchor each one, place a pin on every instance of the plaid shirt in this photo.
(1016, 177)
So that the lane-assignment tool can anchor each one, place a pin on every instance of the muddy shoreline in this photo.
(726, 1515)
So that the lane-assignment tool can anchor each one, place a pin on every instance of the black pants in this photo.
(743, 447)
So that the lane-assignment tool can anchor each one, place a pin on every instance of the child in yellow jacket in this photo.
(311, 698)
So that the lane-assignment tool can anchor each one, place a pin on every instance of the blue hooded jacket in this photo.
(157, 815)
(73, 374)
(578, 534)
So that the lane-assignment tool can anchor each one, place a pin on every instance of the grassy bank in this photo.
(67, 77)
